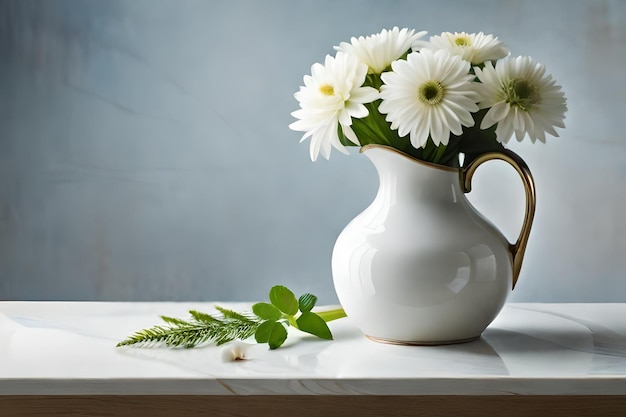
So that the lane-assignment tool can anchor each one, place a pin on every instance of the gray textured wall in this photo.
(145, 154)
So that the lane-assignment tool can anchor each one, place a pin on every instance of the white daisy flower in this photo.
(378, 51)
(475, 48)
(522, 98)
(332, 95)
(431, 93)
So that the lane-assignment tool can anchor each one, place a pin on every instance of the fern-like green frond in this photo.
(203, 317)
(174, 321)
(200, 329)
(230, 314)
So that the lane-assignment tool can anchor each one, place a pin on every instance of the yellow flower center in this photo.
(522, 93)
(430, 92)
(462, 40)
(327, 90)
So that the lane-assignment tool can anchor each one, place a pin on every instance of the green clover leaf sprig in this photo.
(285, 310)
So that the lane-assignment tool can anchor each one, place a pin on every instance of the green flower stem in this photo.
(292, 320)
(331, 315)
(440, 151)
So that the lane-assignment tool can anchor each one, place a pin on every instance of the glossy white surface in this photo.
(68, 348)
(420, 251)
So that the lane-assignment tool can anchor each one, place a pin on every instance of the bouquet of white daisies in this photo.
(456, 93)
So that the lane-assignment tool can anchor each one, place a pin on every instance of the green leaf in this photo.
(284, 300)
(266, 311)
(312, 323)
(278, 336)
(264, 331)
(307, 302)
(271, 332)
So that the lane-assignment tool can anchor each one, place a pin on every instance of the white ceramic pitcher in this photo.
(420, 265)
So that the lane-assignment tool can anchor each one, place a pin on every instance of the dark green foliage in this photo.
(306, 302)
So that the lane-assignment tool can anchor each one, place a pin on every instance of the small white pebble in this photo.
(235, 351)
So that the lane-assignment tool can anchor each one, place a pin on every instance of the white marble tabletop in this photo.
(49, 348)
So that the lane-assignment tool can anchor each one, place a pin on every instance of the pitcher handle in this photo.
(519, 247)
